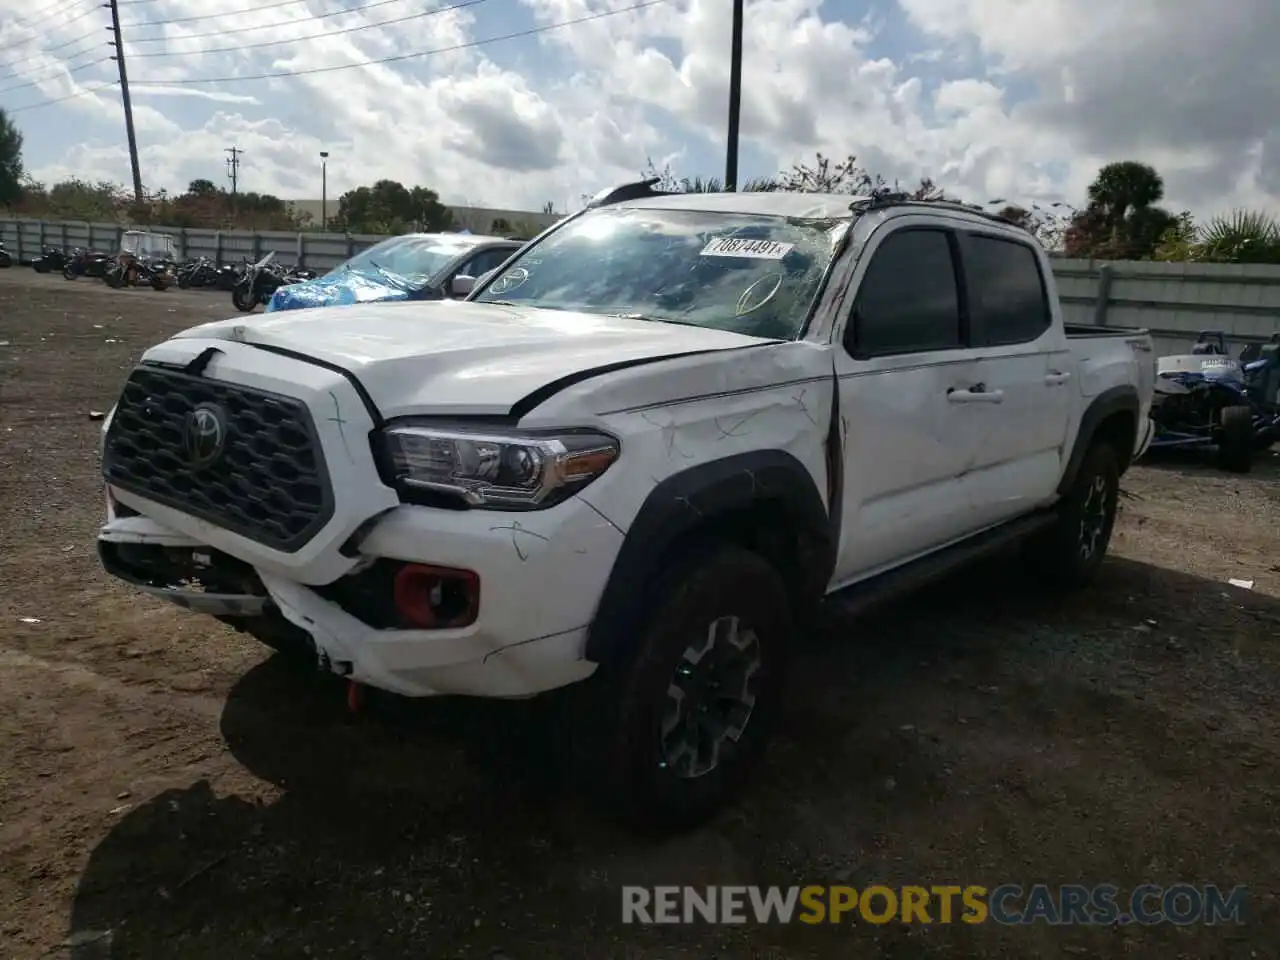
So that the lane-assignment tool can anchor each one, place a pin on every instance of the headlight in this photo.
(497, 469)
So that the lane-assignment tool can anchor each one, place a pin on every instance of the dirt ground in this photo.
(168, 791)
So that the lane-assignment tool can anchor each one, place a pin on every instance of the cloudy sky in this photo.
(1021, 99)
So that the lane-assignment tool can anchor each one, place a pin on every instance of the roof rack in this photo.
(895, 199)
(628, 191)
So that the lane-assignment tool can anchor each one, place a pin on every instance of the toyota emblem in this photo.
(204, 435)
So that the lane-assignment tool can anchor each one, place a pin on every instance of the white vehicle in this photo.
(639, 456)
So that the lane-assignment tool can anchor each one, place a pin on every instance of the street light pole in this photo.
(324, 191)
(735, 100)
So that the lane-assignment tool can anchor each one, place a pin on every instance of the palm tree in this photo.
(1242, 235)
(1123, 188)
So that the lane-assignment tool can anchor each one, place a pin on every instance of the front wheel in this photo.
(242, 298)
(1070, 552)
(682, 726)
(1236, 443)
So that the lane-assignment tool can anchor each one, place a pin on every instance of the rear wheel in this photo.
(679, 729)
(1070, 552)
(1236, 445)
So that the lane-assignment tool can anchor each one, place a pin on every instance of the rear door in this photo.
(901, 356)
(1026, 369)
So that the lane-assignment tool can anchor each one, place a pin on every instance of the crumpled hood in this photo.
(452, 356)
(345, 287)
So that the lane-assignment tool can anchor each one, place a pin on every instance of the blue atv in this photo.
(1207, 398)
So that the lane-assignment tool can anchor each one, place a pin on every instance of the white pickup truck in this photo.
(633, 461)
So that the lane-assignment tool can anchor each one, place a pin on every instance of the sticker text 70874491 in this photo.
(752, 249)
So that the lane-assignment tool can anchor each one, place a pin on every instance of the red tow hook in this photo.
(355, 697)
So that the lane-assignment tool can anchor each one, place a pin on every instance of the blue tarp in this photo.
(341, 287)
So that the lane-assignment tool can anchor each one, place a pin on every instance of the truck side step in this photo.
(860, 597)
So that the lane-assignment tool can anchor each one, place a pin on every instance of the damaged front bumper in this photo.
(494, 657)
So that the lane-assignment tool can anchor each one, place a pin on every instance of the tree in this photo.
(202, 188)
(821, 176)
(1122, 221)
(11, 175)
(390, 207)
(1242, 236)
(500, 226)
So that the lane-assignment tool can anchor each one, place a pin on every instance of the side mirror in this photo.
(462, 285)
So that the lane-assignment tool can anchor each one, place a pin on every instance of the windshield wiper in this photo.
(652, 319)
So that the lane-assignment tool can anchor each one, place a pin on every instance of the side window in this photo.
(908, 300)
(485, 261)
(1007, 289)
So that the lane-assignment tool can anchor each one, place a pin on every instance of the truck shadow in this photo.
(980, 731)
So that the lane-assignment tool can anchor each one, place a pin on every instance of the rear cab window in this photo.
(1007, 290)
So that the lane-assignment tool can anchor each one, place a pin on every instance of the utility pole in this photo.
(735, 100)
(324, 190)
(124, 97)
(233, 169)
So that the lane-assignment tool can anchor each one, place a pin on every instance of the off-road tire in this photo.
(628, 776)
(1236, 444)
(1069, 552)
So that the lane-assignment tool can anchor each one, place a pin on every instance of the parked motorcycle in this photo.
(87, 263)
(130, 271)
(51, 259)
(5, 259)
(257, 283)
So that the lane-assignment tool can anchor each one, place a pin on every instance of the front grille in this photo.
(269, 483)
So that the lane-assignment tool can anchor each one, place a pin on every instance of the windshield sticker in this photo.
(751, 249)
(509, 281)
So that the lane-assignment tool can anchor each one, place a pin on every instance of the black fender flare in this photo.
(676, 507)
(1121, 399)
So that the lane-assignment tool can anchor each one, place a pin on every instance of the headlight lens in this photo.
(500, 470)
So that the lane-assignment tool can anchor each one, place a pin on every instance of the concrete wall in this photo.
(1173, 300)
(475, 219)
(25, 239)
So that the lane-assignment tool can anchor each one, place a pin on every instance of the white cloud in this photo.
(991, 98)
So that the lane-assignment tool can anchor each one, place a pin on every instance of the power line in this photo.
(62, 67)
(365, 63)
(212, 16)
(30, 20)
(532, 31)
(59, 26)
(286, 23)
(71, 96)
(313, 36)
(47, 50)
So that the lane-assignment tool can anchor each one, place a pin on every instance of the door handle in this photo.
(978, 393)
(1055, 378)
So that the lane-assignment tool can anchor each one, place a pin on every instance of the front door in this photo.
(903, 370)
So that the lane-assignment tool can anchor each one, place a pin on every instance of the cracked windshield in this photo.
(755, 275)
